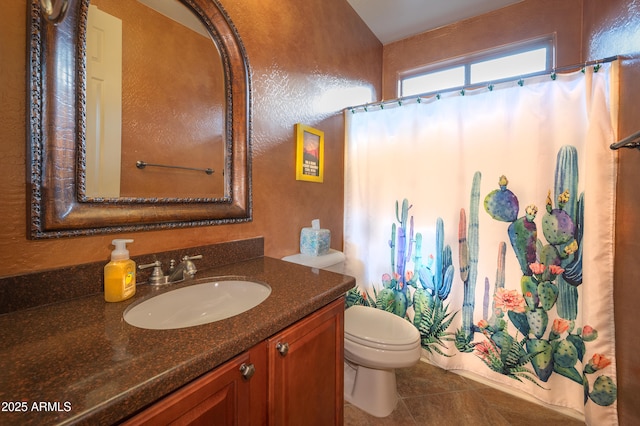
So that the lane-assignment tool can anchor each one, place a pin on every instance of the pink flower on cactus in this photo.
(589, 334)
(537, 268)
(598, 362)
(398, 279)
(484, 349)
(509, 300)
(483, 323)
(560, 325)
(408, 275)
(556, 270)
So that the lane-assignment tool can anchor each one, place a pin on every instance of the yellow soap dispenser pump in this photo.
(119, 274)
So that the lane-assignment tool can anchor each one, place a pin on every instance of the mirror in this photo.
(62, 201)
(152, 130)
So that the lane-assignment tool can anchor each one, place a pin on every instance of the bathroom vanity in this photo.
(79, 362)
(294, 377)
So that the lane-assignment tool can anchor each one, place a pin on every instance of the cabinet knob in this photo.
(247, 371)
(283, 348)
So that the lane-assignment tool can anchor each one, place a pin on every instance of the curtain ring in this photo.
(54, 11)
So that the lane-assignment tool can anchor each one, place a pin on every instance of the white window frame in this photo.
(548, 42)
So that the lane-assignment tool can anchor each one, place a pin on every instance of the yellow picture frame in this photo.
(309, 153)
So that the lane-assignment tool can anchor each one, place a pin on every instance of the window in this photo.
(499, 64)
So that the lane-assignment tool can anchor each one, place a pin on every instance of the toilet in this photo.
(376, 342)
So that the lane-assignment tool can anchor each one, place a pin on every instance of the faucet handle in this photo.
(190, 267)
(196, 257)
(157, 276)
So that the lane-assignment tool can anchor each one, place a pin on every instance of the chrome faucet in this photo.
(185, 270)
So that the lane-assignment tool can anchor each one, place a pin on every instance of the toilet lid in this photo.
(378, 328)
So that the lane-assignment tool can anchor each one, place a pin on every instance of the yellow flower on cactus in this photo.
(530, 212)
(571, 248)
(509, 300)
(564, 197)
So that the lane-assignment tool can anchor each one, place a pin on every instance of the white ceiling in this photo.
(393, 20)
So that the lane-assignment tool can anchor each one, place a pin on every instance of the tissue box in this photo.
(315, 242)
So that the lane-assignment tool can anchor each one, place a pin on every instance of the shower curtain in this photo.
(486, 218)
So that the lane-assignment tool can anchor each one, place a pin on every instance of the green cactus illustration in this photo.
(542, 361)
(469, 270)
(543, 311)
(547, 294)
(529, 288)
(432, 316)
(501, 203)
(523, 235)
(355, 297)
(433, 321)
(552, 271)
(437, 276)
(572, 203)
(565, 354)
(500, 277)
(604, 391)
(508, 357)
(431, 282)
(557, 226)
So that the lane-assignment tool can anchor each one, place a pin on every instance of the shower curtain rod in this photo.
(631, 141)
(462, 89)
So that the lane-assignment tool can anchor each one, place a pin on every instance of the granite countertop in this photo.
(79, 362)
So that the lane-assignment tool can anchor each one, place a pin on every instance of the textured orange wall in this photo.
(298, 52)
(613, 28)
(519, 22)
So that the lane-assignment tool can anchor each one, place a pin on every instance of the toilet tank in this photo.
(332, 261)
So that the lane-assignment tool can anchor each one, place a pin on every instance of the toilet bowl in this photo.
(376, 342)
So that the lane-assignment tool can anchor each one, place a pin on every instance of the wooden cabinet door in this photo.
(306, 370)
(222, 397)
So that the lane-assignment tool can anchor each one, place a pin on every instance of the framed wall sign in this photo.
(309, 153)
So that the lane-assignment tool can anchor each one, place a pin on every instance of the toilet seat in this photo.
(379, 329)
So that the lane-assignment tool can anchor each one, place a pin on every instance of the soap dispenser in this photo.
(119, 274)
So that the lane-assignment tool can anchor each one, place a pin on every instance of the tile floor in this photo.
(432, 396)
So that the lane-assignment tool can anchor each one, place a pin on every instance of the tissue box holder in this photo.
(315, 242)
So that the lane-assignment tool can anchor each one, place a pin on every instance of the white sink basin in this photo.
(197, 304)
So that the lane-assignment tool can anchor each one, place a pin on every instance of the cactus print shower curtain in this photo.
(486, 219)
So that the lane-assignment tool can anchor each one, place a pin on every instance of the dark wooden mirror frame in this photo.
(57, 205)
